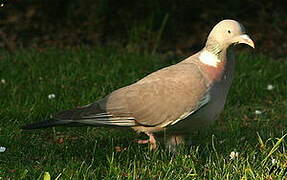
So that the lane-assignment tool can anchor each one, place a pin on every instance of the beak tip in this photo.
(251, 43)
(247, 40)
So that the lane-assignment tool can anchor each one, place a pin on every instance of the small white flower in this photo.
(234, 155)
(273, 161)
(2, 149)
(222, 141)
(51, 96)
(270, 87)
(40, 78)
(258, 112)
(3, 81)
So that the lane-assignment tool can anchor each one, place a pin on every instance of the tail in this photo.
(91, 115)
(46, 124)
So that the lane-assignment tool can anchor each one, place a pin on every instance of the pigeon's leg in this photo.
(143, 141)
(151, 140)
(174, 142)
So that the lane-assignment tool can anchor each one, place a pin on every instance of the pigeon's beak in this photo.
(245, 39)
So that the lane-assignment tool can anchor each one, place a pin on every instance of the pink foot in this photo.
(143, 141)
(151, 141)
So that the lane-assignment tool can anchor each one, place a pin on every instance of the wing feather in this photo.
(162, 98)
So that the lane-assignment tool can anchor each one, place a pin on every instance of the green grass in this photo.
(81, 76)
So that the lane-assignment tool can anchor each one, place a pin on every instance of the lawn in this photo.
(252, 125)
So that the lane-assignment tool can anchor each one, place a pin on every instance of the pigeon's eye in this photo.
(229, 31)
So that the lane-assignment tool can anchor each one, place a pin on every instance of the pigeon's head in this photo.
(226, 33)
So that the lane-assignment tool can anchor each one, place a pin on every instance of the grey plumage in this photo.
(145, 103)
(185, 95)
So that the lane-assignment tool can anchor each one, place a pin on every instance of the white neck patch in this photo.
(209, 58)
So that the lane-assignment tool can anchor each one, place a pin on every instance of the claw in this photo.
(151, 141)
(143, 141)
